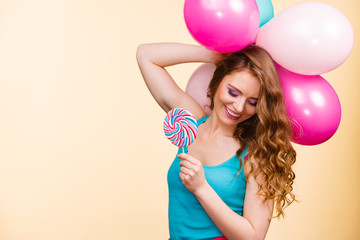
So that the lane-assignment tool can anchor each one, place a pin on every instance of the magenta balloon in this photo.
(198, 84)
(312, 105)
(222, 25)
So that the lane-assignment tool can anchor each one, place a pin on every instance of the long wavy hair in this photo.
(268, 133)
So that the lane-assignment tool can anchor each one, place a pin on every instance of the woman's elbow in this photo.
(140, 52)
(251, 234)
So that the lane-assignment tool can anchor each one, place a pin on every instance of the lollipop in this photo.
(180, 127)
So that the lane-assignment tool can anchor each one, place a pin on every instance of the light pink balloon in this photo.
(222, 25)
(312, 105)
(308, 38)
(198, 84)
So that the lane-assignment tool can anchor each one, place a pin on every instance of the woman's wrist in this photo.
(203, 191)
(212, 56)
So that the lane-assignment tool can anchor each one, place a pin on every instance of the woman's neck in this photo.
(215, 128)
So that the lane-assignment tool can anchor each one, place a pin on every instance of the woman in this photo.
(239, 167)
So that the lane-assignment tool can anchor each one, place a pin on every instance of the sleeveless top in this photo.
(187, 218)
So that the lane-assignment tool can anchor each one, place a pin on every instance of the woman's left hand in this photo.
(192, 173)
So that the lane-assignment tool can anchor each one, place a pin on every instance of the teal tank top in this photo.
(187, 218)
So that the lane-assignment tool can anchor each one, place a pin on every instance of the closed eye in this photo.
(252, 102)
(232, 92)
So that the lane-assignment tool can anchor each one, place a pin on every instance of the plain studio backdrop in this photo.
(82, 150)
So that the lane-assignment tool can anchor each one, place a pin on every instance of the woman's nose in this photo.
(239, 106)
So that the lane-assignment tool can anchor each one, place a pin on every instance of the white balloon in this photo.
(198, 84)
(308, 38)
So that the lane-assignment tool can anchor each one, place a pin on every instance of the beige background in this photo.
(82, 152)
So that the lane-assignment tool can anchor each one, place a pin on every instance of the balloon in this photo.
(308, 38)
(312, 106)
(222, 25)
(266, 11)
(198, 84)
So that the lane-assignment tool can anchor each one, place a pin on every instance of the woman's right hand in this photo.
(219, 56)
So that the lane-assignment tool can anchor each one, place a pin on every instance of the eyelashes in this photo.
(233, 93)
(252, 102)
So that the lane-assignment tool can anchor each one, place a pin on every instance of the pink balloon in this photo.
(312, 105)
(222, 25)
(308, 38)
(198, 84)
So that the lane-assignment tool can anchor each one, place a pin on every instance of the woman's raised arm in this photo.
(152, 60)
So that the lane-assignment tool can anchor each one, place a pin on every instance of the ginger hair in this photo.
(268, 133)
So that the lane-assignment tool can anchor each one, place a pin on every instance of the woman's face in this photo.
(236, 97)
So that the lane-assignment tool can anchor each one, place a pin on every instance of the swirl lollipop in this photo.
(180, 127)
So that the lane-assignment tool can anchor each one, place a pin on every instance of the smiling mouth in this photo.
(231, 114)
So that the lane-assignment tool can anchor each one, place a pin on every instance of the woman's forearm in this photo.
(231, 224)
(167, 54)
